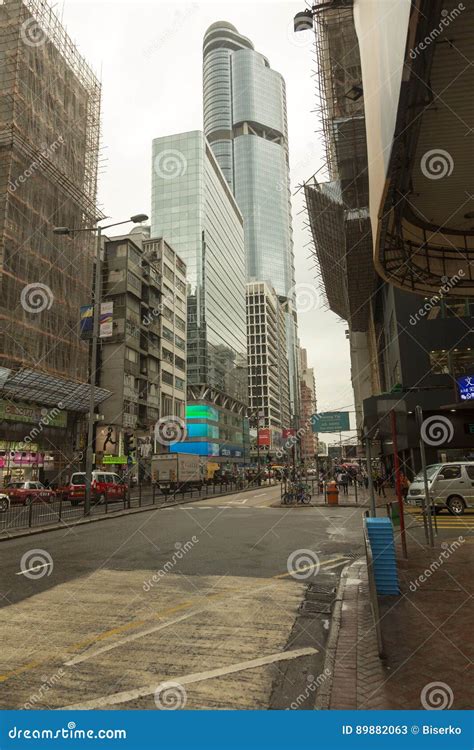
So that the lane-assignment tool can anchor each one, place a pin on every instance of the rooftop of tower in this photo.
(224, 34)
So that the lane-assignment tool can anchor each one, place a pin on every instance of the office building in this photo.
(269, 400)
(245, 122)
(194, 210)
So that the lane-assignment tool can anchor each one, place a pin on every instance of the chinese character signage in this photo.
(466, 387)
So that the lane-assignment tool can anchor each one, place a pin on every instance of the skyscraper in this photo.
(245, 123)
(194, 210)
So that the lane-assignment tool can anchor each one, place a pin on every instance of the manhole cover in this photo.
(312, 608)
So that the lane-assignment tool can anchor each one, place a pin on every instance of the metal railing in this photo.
(61, 511)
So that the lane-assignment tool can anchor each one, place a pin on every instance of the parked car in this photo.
(4, 502)
(450, 486)
(25, 493)
(105, 485)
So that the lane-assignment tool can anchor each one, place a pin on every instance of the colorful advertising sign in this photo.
(466, 387)
(106, 320)
(264, 437)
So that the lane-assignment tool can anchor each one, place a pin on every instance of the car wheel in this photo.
(4, 505)
(456, 505)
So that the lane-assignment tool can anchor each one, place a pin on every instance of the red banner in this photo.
(264, 437)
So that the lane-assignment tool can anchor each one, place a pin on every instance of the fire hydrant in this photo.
(332, 493)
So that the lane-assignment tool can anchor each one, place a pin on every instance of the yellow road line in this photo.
(159, 615)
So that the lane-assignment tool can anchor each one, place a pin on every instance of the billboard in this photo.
(330, 421)
(86, 320)
(264, 437)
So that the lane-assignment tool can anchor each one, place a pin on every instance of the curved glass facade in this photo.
(245, 121)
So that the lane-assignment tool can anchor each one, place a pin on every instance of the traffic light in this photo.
(128, 443)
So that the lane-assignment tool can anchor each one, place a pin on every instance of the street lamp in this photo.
(136, 219)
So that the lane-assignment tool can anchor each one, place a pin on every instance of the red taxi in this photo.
(25, 493)
(105, 485)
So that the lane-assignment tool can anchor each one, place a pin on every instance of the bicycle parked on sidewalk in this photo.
(296, 493)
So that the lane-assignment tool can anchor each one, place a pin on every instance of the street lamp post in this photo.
(136, 219)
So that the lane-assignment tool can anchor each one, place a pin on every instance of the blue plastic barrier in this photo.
(380, 533)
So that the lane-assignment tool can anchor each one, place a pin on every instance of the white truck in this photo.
(176, 471)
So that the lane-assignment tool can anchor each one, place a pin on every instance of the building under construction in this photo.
(49, 142)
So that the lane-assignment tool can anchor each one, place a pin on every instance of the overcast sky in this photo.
(149, 57)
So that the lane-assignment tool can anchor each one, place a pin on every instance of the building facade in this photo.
(245, 122)
(269, 399)
(49, 123)
(143, 359)
(194, 210)
(308, 440)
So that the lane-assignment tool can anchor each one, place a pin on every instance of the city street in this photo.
(166, 594)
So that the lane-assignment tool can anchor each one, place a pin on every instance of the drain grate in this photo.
(310, 608)
(321, 588)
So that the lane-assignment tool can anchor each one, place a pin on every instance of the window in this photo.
(470, 472)
(167, 333)
(179, 322)
(167, 355)
(454, 361)
(179, 382)
(167, 377)
(180, 363)
(450, 472)
(131, 355)
(180, 343)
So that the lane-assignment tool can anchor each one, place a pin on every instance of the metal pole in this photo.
(368, 451)
(396, 464)
(425, 501)
(95, 336)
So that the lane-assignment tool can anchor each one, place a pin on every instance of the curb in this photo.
(6, 537)
(323, 695)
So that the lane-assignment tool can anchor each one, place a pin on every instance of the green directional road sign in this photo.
(331, 421)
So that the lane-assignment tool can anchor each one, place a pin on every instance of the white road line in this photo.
(260, 495)
(129, 695)
(223, 507)
(33, 569)
(128, 639)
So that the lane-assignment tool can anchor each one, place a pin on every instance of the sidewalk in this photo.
(427, 635)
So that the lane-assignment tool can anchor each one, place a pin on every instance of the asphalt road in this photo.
(228, 599)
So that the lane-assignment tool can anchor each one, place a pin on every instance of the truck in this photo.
(177, 471)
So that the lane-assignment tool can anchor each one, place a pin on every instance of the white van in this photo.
(450, 486)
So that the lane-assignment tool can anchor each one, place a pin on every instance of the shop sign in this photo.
(17, 411)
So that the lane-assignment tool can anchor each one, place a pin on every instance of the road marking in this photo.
(33, 569)
(311, 567)
(222, 507)
(129, 639)
(129, 695)
(238, 502)
(260, 495)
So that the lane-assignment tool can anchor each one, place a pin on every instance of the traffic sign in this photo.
(330, 421)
